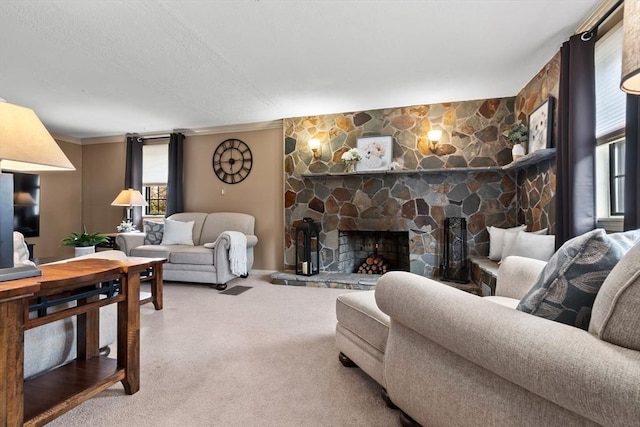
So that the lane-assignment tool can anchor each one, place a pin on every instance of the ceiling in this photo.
(101, 68)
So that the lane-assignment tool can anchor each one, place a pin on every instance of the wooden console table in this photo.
(39, 400)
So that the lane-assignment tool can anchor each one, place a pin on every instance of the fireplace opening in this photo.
(374, 251)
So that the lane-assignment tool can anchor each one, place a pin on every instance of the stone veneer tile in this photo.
(417, 203)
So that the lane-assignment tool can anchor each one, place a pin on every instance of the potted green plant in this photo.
(517, 134)
(84, 243)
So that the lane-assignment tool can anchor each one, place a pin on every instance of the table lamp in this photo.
(25, 146)
(129, 198)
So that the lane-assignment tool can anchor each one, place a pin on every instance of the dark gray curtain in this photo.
(575, 188)
(175, 197)
(133, 173)
(632, 161)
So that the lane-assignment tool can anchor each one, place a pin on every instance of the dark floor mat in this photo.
(236, 290)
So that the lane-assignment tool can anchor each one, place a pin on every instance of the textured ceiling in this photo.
(98, 68)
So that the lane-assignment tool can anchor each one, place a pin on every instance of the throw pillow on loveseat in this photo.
(567, 288)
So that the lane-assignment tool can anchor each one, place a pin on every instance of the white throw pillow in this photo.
(177, 232)
(510, 238)
(496, 237)
(533, 245)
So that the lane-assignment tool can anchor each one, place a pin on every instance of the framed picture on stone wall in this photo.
(375, 152)
(541, 126)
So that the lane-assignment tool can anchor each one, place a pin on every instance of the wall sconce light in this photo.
(434, 136)
(314, 144)
(631, 48)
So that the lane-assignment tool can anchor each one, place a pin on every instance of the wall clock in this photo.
(232, 161)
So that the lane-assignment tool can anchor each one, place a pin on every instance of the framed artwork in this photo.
(541, 126)
(375, 152)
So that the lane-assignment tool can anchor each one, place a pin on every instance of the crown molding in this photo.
(214, 130)
(66, 138)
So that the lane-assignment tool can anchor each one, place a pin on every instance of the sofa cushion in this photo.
(177, 233)
(151, 251)
(359, 313)
(218, 222)
(534, 245)
(198, 219)
(567, 287)
(153, 232)
(496, 240)
(616, 316)
(505, 301)
(191, 255)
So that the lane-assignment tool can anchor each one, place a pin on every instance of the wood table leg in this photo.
(156, 286)
(11, 363)
(88, 340)
(129, 332)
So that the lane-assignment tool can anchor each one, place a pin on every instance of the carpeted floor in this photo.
(264, 357)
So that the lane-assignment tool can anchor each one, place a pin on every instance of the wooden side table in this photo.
(31, 402)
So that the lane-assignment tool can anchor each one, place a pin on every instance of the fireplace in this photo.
(355, 247)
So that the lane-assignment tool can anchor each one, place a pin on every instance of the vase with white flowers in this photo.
(350, 159)
(517, 134)
(126, 227)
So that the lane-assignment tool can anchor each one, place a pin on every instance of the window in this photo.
(155, 170)
(610, 124)
(616, 176)
(156, 196)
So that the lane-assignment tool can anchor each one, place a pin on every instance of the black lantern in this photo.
(454, 267)
(307, 248)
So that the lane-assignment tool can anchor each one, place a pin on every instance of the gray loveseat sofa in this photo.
(207, 261)
(449, 358)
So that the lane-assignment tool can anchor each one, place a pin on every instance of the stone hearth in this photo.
(363, 282)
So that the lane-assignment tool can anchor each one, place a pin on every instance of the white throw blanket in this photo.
(237, 251)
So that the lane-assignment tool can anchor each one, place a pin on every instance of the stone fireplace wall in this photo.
(417, 199)
(537, 184)
(431, 186)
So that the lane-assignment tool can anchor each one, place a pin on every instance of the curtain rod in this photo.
(589, 33)
(155, 137)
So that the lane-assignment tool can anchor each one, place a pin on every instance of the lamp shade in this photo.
(129, 197)
(25, 144)
(23, 198)
(631, 48)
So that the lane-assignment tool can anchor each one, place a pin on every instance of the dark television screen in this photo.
(26, 204)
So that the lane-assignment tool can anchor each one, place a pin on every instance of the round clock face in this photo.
(232, 161)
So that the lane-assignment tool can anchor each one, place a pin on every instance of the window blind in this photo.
(610, 100)
(155, 164)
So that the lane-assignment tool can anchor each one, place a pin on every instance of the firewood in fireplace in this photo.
(374, 265)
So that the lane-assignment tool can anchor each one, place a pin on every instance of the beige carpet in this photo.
(266, 357)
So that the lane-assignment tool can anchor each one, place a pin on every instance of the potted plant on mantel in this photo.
(517, 134)
(84, 243)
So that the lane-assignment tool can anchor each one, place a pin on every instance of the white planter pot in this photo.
(517, 151)
(85, 250)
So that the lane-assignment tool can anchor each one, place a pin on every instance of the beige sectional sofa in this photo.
(207, 260)
(450, 358)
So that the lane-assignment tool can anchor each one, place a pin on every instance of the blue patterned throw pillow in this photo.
(153, 232)
(567, 287)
